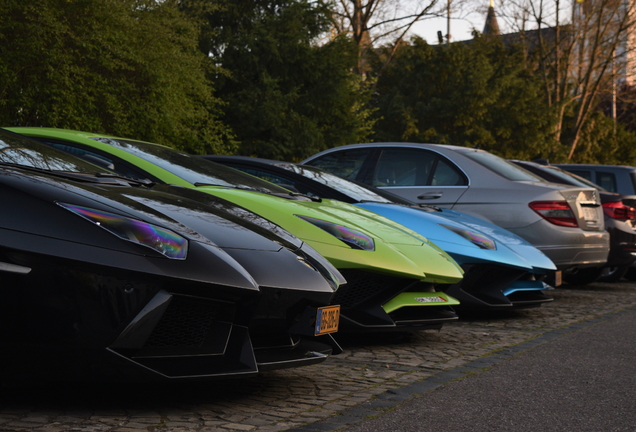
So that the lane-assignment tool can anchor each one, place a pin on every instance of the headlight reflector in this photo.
(351, 237)
(165, 242)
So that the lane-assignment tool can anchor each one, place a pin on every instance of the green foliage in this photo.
(478, 94)
(126, 67)
(287, 96)
(603, 142)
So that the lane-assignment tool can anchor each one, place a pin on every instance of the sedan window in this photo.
(415, 167)
(500, 166)
(403, 167)
(447, 175)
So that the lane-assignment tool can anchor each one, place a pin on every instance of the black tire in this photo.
(583, 276)
(613, 274)
(631, 274)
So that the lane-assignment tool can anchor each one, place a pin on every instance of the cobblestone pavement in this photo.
(307, 398)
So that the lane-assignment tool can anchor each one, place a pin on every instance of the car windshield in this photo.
(193, 169)
(573, 179)
(19, 150)
(500, 166)
(349, 188)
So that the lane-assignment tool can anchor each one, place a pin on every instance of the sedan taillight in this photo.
(556, 212)
(618, 210)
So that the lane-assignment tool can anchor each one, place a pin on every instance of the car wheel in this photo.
(583, 276)
(631, 274)
(613, 274)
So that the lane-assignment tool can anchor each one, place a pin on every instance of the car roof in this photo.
(400, 144)
(619, 167)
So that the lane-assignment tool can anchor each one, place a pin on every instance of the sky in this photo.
(461, 29)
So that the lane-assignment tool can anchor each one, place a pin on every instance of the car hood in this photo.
(521, 247)
(452, 234)
(397, 250)
(215, 230)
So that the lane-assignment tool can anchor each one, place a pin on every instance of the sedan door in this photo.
(419, 175)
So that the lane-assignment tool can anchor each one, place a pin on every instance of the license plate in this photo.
(558, 278)
(327, 319)
(589, 213)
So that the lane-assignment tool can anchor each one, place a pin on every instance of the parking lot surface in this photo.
(374, 374)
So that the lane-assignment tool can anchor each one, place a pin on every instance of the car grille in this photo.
(363, 286)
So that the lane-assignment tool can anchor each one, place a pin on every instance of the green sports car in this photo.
(391, 271)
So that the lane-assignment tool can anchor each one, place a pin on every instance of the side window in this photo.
(403, 167)
(607, 181)
(344, 163)
(585, 174)
(446, 174)
(632, 176)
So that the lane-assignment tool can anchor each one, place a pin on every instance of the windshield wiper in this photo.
(298, 194)
(130, 180)
(200, 184)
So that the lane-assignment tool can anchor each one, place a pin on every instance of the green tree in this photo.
(602, 141)
(287, 95)
(125, 67)
(478, 94)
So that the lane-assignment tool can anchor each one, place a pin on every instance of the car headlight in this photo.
(164, 241)
(475, 238)
(351, 237)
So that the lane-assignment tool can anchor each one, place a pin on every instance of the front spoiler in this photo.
(404, 312)
(519, 294)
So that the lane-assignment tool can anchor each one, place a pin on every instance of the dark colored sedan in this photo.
(620, 220)
(612, 178)
(104, 277)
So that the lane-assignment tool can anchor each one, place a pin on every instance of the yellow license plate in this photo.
(327, 319)
(558, 278)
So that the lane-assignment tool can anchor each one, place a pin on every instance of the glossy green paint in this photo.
(398, 250)
(419, 299)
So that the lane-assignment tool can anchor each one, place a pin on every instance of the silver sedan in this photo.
(565, 222)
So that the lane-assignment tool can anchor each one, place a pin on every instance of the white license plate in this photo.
(589, 213)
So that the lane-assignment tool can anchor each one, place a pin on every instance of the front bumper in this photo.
(64, 319)
(374, 302)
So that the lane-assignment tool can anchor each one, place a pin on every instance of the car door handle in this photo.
(430, 195)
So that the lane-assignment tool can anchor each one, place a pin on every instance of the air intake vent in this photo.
(362, 286)
(185, 324)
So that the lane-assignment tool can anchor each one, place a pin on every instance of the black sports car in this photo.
(103, 277)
